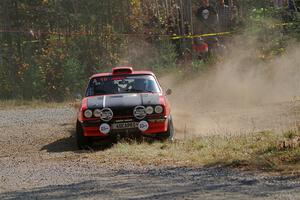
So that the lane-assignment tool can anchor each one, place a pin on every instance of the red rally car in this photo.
(121, 102)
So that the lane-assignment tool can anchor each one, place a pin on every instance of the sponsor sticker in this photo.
(143, 126)
(104, 128)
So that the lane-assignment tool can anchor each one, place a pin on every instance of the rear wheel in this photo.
(169, 134)
(82, 141)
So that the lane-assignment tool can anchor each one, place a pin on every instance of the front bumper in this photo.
(91, 128)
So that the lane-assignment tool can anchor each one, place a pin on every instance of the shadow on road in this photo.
(167, 183)
(62, 145)
(69, 144)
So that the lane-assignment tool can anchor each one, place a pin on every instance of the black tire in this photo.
(169, 134)
(82, 141)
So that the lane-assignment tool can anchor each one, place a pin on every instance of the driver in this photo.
(123, 86)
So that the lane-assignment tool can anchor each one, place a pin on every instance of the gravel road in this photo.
(38, 160)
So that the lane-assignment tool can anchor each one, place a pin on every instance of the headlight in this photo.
(139, 112)
(88, 113)
(106, 114)
(158, 109)
(149, 110)
(97, 112)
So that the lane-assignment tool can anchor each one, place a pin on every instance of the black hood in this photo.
(122, 100)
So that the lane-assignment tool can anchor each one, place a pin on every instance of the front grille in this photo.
(123, 112)
(92, 123)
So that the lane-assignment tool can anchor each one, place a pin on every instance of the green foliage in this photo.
(166, 55)
(199, 65)
(6, 88)
(59, 44)
(73, 78)
(273, 28)
(51, 47)
(294, 28)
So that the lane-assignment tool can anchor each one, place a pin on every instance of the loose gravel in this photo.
(39, 160)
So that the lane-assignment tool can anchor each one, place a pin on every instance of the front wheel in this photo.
(169, 134)
(82, 141)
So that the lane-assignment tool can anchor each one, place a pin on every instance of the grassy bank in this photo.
(264, 151)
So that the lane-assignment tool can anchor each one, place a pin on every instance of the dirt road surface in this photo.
(39, 160)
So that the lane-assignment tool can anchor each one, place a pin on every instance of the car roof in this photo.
(133, 72)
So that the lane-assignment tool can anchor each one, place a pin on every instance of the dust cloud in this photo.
(241, 94)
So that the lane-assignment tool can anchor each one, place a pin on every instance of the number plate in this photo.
(125, 125)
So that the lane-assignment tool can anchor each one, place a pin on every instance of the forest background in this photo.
(49, 48)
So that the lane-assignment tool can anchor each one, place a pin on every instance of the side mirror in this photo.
(168, 92)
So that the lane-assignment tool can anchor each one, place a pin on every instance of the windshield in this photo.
(122, 84)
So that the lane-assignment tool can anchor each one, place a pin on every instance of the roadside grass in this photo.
(23, 104)
(263, 151)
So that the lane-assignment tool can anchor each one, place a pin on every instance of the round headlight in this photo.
(97, 112)
(159, 109)
(106, 114)
(88, 113)
(139, 112)
(149, 110)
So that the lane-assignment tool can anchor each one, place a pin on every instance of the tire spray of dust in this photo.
(241, 94)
